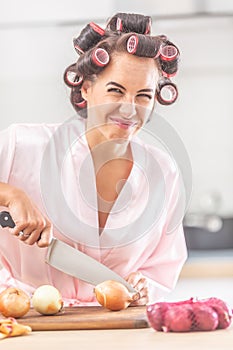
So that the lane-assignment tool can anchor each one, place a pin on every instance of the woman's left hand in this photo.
(140, 283)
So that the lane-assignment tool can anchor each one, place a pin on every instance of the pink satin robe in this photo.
(158, 255)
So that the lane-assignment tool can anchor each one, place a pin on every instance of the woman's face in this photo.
(121, 98)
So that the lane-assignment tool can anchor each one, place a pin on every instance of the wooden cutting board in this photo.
(87, 317)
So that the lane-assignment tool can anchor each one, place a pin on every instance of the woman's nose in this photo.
(127, 110)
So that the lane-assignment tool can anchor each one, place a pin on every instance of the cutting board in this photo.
(87, 317)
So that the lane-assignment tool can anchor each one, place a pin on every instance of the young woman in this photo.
(120, 193)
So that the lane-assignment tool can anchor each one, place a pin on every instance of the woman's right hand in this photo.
(28, 219)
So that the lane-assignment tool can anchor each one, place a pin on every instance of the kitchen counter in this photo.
(205, 274)
(117, 339)
(209, 263)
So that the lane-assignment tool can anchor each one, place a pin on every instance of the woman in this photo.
(122, 190)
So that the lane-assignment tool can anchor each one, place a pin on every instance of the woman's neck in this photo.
(104, 150)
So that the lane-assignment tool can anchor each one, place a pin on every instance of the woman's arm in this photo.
(35, 226)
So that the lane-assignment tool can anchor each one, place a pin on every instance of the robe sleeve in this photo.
(164, 265)
(7, 150)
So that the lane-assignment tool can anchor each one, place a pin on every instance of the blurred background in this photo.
(36, 41)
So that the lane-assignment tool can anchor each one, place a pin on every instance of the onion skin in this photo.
(114, 295)
(14, 302)
(47, 300)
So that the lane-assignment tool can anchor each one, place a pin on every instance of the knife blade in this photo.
(73, 262)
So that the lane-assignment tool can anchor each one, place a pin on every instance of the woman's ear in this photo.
(85, 89)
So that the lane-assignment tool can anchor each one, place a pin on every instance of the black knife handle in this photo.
(6, 219)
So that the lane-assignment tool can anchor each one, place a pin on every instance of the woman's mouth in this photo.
(123, 123)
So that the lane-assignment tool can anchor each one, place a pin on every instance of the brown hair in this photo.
(96, 46)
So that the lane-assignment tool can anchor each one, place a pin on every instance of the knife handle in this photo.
(6, 219)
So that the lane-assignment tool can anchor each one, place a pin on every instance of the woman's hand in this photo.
(28, 219)
(140, 283)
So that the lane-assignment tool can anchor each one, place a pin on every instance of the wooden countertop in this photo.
(121, 339)
(212, 263)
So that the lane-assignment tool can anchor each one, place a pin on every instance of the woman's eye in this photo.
(118, 91)
(146, 96)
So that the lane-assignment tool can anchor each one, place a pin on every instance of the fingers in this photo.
(45, 237)
(140, 283)
(32, 232)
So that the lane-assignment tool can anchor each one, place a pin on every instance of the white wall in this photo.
(36, 48)
(203, 114)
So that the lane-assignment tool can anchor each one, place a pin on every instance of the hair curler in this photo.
(97, 29)
(100, 57)
(169, 57)
(166, 92)
(70, 76)
(143, 46)
(119, 24)
(168, 52)
(148, 26)
(88, 38)
(132, 44)
(77, 100)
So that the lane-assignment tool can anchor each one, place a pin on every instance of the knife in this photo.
(73, 262)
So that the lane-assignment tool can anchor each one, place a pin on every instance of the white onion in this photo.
(47, 300)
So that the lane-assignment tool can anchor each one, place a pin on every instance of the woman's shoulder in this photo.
(161, 155)
(33, 128)
(41, 132)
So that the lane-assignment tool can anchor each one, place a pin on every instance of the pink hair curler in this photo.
(168, 52)
(100, 57)
(132, 44)
(167, 94)
(169, 75)
(71, 78)
(81, 104)
(97, 28)
(78, 49)
(119, 24)
(148, 27)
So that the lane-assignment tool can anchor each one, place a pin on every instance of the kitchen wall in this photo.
(36, 47)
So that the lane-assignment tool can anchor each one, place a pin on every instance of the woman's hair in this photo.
(124, 32)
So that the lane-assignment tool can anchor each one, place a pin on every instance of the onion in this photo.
(178, 318)
(206, 318)
(114, 295)
(14, 302)
(47, 300)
